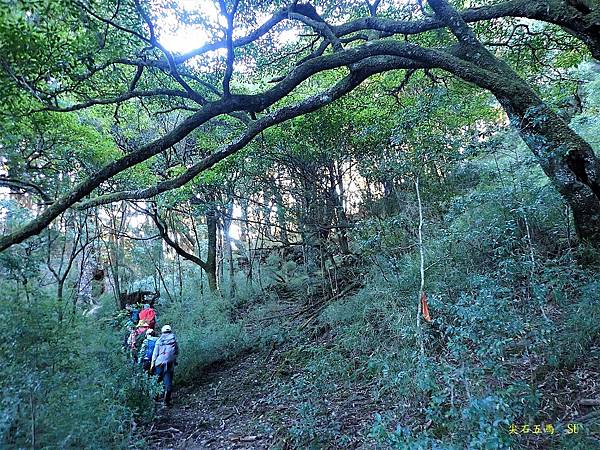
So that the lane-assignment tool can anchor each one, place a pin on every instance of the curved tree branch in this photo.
(119, 99)
(365, 69)
(406, 55)
(164, 234)
(25, 185)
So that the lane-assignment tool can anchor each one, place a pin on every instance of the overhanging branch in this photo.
(362, 71)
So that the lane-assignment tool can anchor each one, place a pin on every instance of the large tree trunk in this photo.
(564, 156)
(567, 159)
(581, 18)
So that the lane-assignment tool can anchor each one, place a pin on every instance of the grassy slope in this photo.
(515, 337)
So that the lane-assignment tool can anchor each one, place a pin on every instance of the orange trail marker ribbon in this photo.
(425, 307)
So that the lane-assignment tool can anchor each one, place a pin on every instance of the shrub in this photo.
(65, 384)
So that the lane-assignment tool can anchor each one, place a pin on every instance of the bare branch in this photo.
(136, 78)
(119, 99)
(25, 185)
(111, 22)
(161, 226)
(321, 27)
(229, 42)
(367, 68)
(373, 7)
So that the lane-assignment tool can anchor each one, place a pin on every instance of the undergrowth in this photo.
(65, 384)
(514, 341)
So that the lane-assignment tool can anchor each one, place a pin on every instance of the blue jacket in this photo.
(147, 348)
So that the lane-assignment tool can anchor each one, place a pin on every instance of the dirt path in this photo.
(227, 409)
(262, 400)
(240, 405)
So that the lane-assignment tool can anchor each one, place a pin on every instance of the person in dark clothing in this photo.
(134, 313)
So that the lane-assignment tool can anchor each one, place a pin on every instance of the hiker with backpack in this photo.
(148, 315)
(146, 350)
(164, 358)
(136, 337)
(134, 313)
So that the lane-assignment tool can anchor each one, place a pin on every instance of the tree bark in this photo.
(340, 210)
(210, 265)
(581, 18)
(566, 158)
(227, 220)
(59, 298)
(279, 204)
(211, 257)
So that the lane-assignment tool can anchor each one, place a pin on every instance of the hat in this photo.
(166, 329)
(149, 331)
(147, 306)
(141, 324)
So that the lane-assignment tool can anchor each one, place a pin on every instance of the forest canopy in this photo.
(94, 58)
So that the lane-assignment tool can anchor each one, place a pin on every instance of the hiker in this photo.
(146, 350)
(164, 359)
(135, 337)
(134, 313)
(129, 327)
(148, 315)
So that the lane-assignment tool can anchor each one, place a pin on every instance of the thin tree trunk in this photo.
(228, 218)
(157, 267)
(279, 204)
(211, 257)
(59, 298)
(340, 211)
(33, 420)
(180, 275)
(421, 269)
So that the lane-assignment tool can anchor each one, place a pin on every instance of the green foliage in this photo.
(483, 423)
(510, 300)
(205, 332)
(513, 298)
(304, 432)
(65, 384)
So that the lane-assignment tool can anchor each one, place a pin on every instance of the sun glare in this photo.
(184, 39)
(181, 37)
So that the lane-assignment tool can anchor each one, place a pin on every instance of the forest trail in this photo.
(239, 404)
(226, 409)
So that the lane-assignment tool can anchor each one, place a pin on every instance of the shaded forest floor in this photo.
(226, 409)
(308, 390)
(237, 405)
